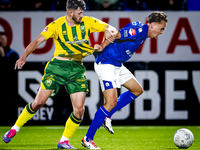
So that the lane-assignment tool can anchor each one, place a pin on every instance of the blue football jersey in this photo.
(132, 36)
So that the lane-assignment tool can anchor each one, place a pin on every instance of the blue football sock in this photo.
(124, 99)
(98, 120)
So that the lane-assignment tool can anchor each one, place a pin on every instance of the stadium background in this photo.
(168, 68)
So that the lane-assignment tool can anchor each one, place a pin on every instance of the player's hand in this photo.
(109, 36)
(98, 48)
(110, 33)
(20, 62)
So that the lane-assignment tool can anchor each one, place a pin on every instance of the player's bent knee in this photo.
(78, 112)
(37, 106)
(110, 105)
(138, 92)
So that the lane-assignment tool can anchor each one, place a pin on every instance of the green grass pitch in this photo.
(125, 138)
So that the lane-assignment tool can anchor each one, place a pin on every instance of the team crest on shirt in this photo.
(82, 28)
(132, 31)
(45, 29)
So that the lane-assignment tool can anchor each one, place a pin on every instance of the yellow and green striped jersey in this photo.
(73, 40)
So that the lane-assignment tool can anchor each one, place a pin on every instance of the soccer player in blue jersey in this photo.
(113, 74)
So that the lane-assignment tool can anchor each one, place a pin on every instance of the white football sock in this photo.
(63, 138)
(16, 128)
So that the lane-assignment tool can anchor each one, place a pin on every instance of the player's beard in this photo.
(76, 20)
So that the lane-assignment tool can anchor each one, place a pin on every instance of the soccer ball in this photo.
(183, 138)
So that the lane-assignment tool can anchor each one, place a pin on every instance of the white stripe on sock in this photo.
(103, 111)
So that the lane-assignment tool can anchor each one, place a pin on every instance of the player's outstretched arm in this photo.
(110, 31)
(29, 49)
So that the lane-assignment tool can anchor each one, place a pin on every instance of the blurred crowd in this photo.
(126, 5)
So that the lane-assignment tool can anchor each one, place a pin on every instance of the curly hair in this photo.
(74, 4)
(157, 16)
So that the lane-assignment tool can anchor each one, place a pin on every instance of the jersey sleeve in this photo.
(97, 25)
(49, 31)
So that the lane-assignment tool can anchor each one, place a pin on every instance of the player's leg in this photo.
(125, 98)
(74, 120)
(111, 96)
(99, 118)
(127, 79)
(76, 87)
(111, 100)
(31, 108)
(28, 112)
(47, 88)
(106, 74)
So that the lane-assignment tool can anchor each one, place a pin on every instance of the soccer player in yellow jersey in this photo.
(71, 36)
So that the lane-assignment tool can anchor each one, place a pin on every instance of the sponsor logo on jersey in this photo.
(125, 33)
(77, 42)
(64, 32)
(128, 52)
(132, 31)
(45, 29)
